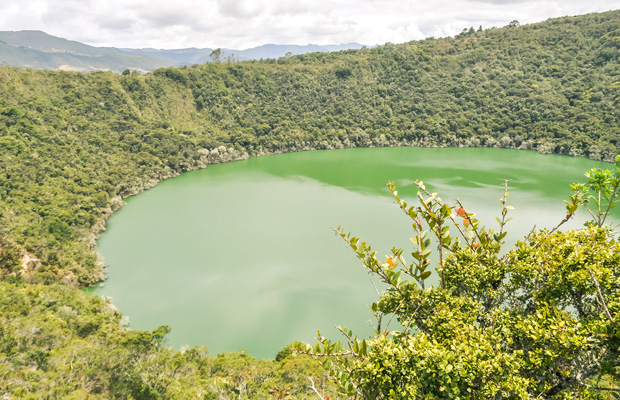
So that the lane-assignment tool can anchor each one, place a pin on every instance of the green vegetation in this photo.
(537, 321)
(73, 145)
(57, 343)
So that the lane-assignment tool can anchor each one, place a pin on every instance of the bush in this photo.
(536, 321)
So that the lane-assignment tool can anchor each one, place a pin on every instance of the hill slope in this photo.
(99, 137)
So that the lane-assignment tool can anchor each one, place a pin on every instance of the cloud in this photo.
(291, 7)
(509, 2)
(241, 24)
(239, 8)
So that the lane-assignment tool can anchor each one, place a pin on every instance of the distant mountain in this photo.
(193, 56)
(38, 50)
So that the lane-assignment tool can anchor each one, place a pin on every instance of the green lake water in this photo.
(242, 256)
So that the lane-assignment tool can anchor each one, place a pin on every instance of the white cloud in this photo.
(241, 24)
(246, 9)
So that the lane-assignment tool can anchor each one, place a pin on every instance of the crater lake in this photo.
(242, 256)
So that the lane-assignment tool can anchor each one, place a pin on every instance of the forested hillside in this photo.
(73, 145)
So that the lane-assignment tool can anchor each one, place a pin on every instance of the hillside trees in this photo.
(73, 146)
(69, 138)
(539, 320)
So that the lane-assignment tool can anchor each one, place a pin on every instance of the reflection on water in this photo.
(242, 256)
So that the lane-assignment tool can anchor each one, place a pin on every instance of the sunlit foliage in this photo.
(73, 146)
(539, 320)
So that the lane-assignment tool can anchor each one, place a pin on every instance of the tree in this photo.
(343, 72)
(216, 55)
(536, 321)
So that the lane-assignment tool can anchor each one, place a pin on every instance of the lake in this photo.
(242, 256)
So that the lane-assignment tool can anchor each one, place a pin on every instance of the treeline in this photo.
(73, 145)
(551, 86)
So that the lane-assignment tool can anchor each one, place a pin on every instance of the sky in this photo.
(242, 24)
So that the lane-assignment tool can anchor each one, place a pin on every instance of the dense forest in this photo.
(73, 145)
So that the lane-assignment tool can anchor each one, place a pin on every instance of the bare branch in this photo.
(411, 319)
(599, 295)
(395, 312)
(565, 220)
(314, 389)
(342, 353)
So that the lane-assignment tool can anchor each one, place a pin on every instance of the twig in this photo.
(395, 312)
(367, 260)
(314, 388)
(530, 234)
(411, 319)
(423, 259)
(438, 230)
(473, 226)
(379, 319)
(504, 200)
(344, 333)
(565, 220)
(380, 316)
(599, 296)
(376, 289)
(449, 216)
(342, 353)
(440, 248)
(610, 203)
(608, 389)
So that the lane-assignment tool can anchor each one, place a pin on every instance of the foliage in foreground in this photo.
(58, 343)
(539, 320)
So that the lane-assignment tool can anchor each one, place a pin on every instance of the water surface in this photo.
(241, 256)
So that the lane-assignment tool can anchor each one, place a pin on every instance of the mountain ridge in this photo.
(39, 50)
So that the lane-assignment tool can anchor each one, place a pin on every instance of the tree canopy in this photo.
(538, 320)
